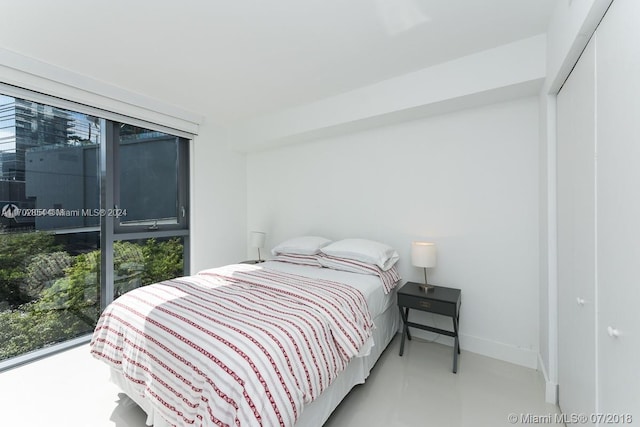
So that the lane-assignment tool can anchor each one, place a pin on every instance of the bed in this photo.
(278, 343)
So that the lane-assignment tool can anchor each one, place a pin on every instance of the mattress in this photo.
(386, 323)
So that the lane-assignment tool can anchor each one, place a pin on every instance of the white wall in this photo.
(548, 247)
(218, 201)
(466, 181)
(506, 72)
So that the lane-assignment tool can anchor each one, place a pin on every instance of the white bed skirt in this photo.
(317, 412)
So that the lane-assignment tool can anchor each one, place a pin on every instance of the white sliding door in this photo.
(599, 224)
(618, 104)
(577, 238)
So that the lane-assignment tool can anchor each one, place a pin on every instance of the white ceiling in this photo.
(235, 59)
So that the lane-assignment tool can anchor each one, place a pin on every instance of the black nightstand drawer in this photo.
(425, 304)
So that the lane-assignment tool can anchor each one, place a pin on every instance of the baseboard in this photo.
(551, 393)
(496, 350)
(551, 388)
(501, 351)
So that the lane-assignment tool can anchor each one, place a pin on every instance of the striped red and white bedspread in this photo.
(238, 345)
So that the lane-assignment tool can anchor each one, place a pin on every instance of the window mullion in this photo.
(183, 184)
(107, 193)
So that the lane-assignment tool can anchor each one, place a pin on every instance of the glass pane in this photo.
(48, 167)
(49, 243)
(49, 289)
(148, 177)
(146, 261)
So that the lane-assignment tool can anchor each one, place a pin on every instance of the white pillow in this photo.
(303, 245)
(390, 278)
(384, 256)
(310, 260)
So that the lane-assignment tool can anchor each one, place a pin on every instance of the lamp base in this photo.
(426, 287)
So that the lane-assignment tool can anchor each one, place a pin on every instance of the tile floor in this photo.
(71, 389)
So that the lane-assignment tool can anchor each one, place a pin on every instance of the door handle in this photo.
(613, 332)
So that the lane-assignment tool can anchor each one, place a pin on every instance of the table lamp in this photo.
(256, 240)
(423, 254)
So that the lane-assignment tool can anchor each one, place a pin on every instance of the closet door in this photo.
(618, 107)
(577, 238)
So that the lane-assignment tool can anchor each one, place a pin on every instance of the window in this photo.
(90, 209)
(149, 194)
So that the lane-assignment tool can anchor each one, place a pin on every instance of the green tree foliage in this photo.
(26, 329)
(77, 289)
(129, 267)
(16, 252)
(44, 270)
(162, 260)
(68, 304)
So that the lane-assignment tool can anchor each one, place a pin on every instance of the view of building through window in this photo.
(52, 235)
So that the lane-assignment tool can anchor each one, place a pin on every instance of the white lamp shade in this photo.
(257, 239)
(423, 254)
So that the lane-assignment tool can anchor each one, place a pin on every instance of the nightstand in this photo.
(438, 300)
